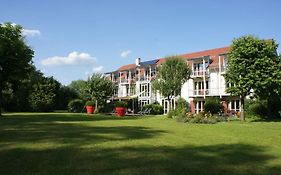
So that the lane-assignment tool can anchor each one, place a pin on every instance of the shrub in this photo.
(182, 104)
(156, 109)
(213, 105)
(90, 103)
(121, 104)
(75, 105)
(172, 113)
(258, 108)
(203, 118)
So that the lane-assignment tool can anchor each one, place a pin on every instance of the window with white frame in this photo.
(145, 89)
(199, 106)
(234, 105)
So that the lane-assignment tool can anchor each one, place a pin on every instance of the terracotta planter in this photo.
(90, 109)
(120, 111)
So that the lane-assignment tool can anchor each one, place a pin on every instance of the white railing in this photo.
(208, 92)
(200, 73)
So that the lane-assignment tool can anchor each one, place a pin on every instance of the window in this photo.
(145, 90)
(199, 106)
(235, 105)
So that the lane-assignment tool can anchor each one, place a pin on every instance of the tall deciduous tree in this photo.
(171, 76)
(44, 96)
(253, 64)
(15, 56)
(80, 86)
(100, 88)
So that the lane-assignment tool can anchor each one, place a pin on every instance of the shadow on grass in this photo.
(78, 149)
(64, 117)
(233, 159)
(71, 130)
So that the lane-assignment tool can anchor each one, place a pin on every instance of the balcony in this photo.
(208, 92)
(127, 81)
(145, 78)
(199, 73)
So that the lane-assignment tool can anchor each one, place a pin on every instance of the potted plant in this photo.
(120, 107)
(90, 106)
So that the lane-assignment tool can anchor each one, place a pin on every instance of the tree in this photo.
(43, 97)
(80, 86)
(100, 88)
(251, 64)
(63, 96)
(15, 56)
(170, 77)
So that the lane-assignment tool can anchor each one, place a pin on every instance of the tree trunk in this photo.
(242, 113)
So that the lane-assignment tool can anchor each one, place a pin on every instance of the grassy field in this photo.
(77, 144)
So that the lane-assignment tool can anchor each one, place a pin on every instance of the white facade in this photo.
(206, 80)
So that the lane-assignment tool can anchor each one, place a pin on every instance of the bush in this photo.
(172, 113)
(203, 118)
(258, 108)
(213, 105)
(182, 104)
(90, 103)
(75, 105)
(156, 109)
(121, 104)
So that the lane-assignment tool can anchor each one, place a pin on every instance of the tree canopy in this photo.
(253, 64)
(100, 88)
(15, 56)
(171, 76)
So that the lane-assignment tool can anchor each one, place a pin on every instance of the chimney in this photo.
(138, 60)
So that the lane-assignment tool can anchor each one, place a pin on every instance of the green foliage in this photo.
(171, 76)
(90, 103)
(100, 88)
(63, 96)
(172, 113)
(122, 104)
(181, 109)
(182, 104)
(213, 105)
(75, 105)
(204, 118)
(156, 109)
(44, 95)
(258, 108)
(80, 86)
(15, 57)
(107, 107)
(253, 63)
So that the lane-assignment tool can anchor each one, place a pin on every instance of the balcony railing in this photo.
(145, 78)
(200, 73)
(208, 92)
(126, 81)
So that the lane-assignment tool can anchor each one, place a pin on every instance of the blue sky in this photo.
(72, 39)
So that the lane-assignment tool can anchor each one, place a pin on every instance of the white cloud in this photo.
(73, 58)
(97, 69)
(31, 32)
(125, 53)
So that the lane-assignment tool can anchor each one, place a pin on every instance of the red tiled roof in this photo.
(213, 53)
(127, 67)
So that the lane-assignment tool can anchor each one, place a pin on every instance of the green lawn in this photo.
(78, 144)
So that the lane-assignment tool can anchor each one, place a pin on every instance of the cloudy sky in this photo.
(73, 39)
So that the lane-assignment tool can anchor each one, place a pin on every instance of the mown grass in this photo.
(58, 143)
